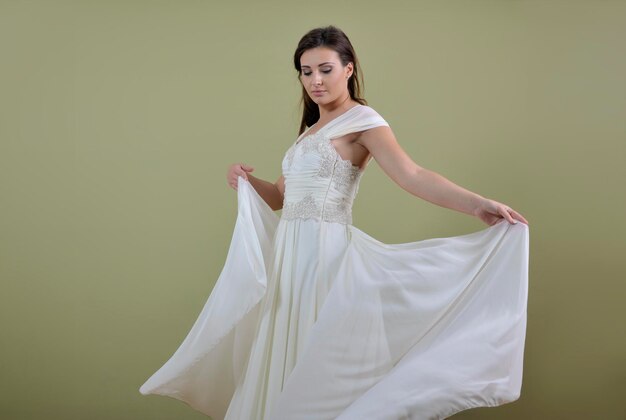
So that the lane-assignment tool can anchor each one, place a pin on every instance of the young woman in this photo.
(311, 318)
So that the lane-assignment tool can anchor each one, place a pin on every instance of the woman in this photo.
(311, 318)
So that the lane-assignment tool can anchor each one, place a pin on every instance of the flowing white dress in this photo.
(311, 318)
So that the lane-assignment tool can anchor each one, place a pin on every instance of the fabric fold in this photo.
(417, 330)
(205, 368)
(312, 318)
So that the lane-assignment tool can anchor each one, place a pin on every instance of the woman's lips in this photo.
(318, 93)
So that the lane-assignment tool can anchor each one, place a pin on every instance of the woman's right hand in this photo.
(235, 171)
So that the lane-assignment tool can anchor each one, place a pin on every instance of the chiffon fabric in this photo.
(312, 318)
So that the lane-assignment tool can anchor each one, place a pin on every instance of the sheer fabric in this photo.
(312, 318)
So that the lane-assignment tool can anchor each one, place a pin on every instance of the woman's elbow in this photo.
(411, 179)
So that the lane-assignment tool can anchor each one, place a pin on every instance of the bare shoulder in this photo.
(380, 141)
(376, 137)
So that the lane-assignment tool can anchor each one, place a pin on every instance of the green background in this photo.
(118, 120)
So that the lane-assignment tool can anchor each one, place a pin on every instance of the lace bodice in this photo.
(319, 183)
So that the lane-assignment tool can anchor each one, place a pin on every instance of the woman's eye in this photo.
(323, 71)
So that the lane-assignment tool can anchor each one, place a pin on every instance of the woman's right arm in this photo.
(272, 194)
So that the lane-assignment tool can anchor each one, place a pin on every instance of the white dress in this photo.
(311, 318)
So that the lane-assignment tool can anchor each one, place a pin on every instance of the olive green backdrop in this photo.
(118, 120)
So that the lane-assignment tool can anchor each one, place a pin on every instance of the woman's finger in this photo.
(519, 217)
(507, 215)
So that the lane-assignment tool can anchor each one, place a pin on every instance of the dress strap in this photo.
(364, 118)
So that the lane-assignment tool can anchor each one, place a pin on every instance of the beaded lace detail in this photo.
(343, 176)
(307, 208)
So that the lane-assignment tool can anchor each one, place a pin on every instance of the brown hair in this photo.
(333, 38)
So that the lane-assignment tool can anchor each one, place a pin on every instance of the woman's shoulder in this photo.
(372, 115)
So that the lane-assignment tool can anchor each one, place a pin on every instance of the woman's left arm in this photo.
(427, 184)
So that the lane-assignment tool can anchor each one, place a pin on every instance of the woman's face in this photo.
(323, 76)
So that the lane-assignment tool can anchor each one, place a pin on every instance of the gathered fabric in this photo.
(312, 318)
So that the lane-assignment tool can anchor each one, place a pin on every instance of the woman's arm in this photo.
(272, 194)
(429, 185)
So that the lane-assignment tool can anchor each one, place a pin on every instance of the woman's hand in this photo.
(235, 171)
(491, 212)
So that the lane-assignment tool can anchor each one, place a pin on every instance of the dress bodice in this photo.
(319, 183)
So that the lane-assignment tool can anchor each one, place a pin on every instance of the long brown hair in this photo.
(333, 38)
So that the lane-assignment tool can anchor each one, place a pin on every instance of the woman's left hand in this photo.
(491, 212)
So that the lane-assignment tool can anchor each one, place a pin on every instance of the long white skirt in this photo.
(318, 320)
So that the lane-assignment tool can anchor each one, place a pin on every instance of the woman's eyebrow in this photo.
(319, 65)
